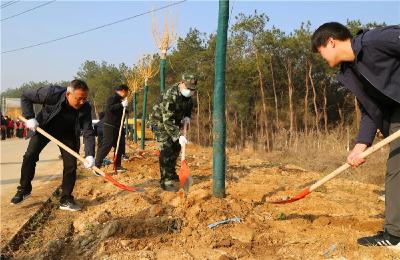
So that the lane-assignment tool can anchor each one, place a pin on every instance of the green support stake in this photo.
(134, 117)
(143, 136)
(163, 63)
(219, 120)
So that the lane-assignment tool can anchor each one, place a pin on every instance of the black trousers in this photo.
(109, 140)
(392, 180)
(31, 156)
(169, 153)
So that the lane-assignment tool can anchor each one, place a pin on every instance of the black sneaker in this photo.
(20, 196)
(380, 239)
(121, 169)
(169, 186)
(125, 157)
(69, 204)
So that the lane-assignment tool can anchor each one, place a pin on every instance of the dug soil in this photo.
(155, 224)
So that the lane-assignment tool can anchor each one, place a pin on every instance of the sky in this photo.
(127, 41)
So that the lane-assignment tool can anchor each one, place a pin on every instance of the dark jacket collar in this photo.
(356, 44)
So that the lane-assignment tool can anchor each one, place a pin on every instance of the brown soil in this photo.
(117, 224)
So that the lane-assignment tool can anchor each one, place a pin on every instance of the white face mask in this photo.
(186, 92)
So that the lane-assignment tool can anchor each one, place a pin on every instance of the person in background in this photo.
(112, 120)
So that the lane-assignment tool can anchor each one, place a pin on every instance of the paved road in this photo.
(47, 178)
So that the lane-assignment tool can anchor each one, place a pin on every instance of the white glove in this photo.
(124, 102)
(32, 124)
(89, 162)
(182, 140)
(186, 120)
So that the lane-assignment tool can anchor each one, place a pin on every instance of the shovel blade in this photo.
(299, 196)
(183, 173)
(122, 186)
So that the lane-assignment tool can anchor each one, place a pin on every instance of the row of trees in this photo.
(274, 84)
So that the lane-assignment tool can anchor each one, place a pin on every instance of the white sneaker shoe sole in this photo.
(69, 209)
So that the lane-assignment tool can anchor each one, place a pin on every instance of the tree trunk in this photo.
(305, 120)
(261, 81)
(290, 94)
(314, 100)
(325, 110)
(275, 97)
(256, 130)
(242, 141)
(235, 130)
(95, 109)
(198, 118)
(209, 119)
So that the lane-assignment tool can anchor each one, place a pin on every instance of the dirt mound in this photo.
(118, 224)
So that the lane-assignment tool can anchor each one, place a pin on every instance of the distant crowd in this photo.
(12, 128)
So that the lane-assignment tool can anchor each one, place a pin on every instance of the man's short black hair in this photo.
(334, 30)
(122, 87)
(79, 84)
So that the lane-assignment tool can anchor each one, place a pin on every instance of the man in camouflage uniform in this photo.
(168, 117)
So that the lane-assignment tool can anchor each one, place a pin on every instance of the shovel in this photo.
(77, 156)
(119, 139)
(341, 169)
(185, 179)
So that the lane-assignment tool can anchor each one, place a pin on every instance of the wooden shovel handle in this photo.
(63, 146)
(183, 150)
(119, 134)
(364, 154)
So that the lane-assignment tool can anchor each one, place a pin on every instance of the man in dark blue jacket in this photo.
(112, 121)
(65, 113)
(370, 69)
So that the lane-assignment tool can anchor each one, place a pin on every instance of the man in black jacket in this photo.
(112, 120)
(370, 69)
(64, 114)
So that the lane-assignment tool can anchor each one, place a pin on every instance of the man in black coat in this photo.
(370, 69)
(112, 121)
(65, 113)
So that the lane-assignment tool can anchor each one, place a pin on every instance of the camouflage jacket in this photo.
(169, 111)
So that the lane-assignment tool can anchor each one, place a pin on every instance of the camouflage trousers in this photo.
(169, 153)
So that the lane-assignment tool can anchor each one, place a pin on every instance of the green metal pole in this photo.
(143, 136)
(219, 120)
(163, 63)
(134, 117)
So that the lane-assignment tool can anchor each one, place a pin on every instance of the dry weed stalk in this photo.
(133, 81)
(146, 69)
(165, 39)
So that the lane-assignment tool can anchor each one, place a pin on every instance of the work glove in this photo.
(186, 120)
(89, 162)
(124, 102)
(182, 140)
(32, 124)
